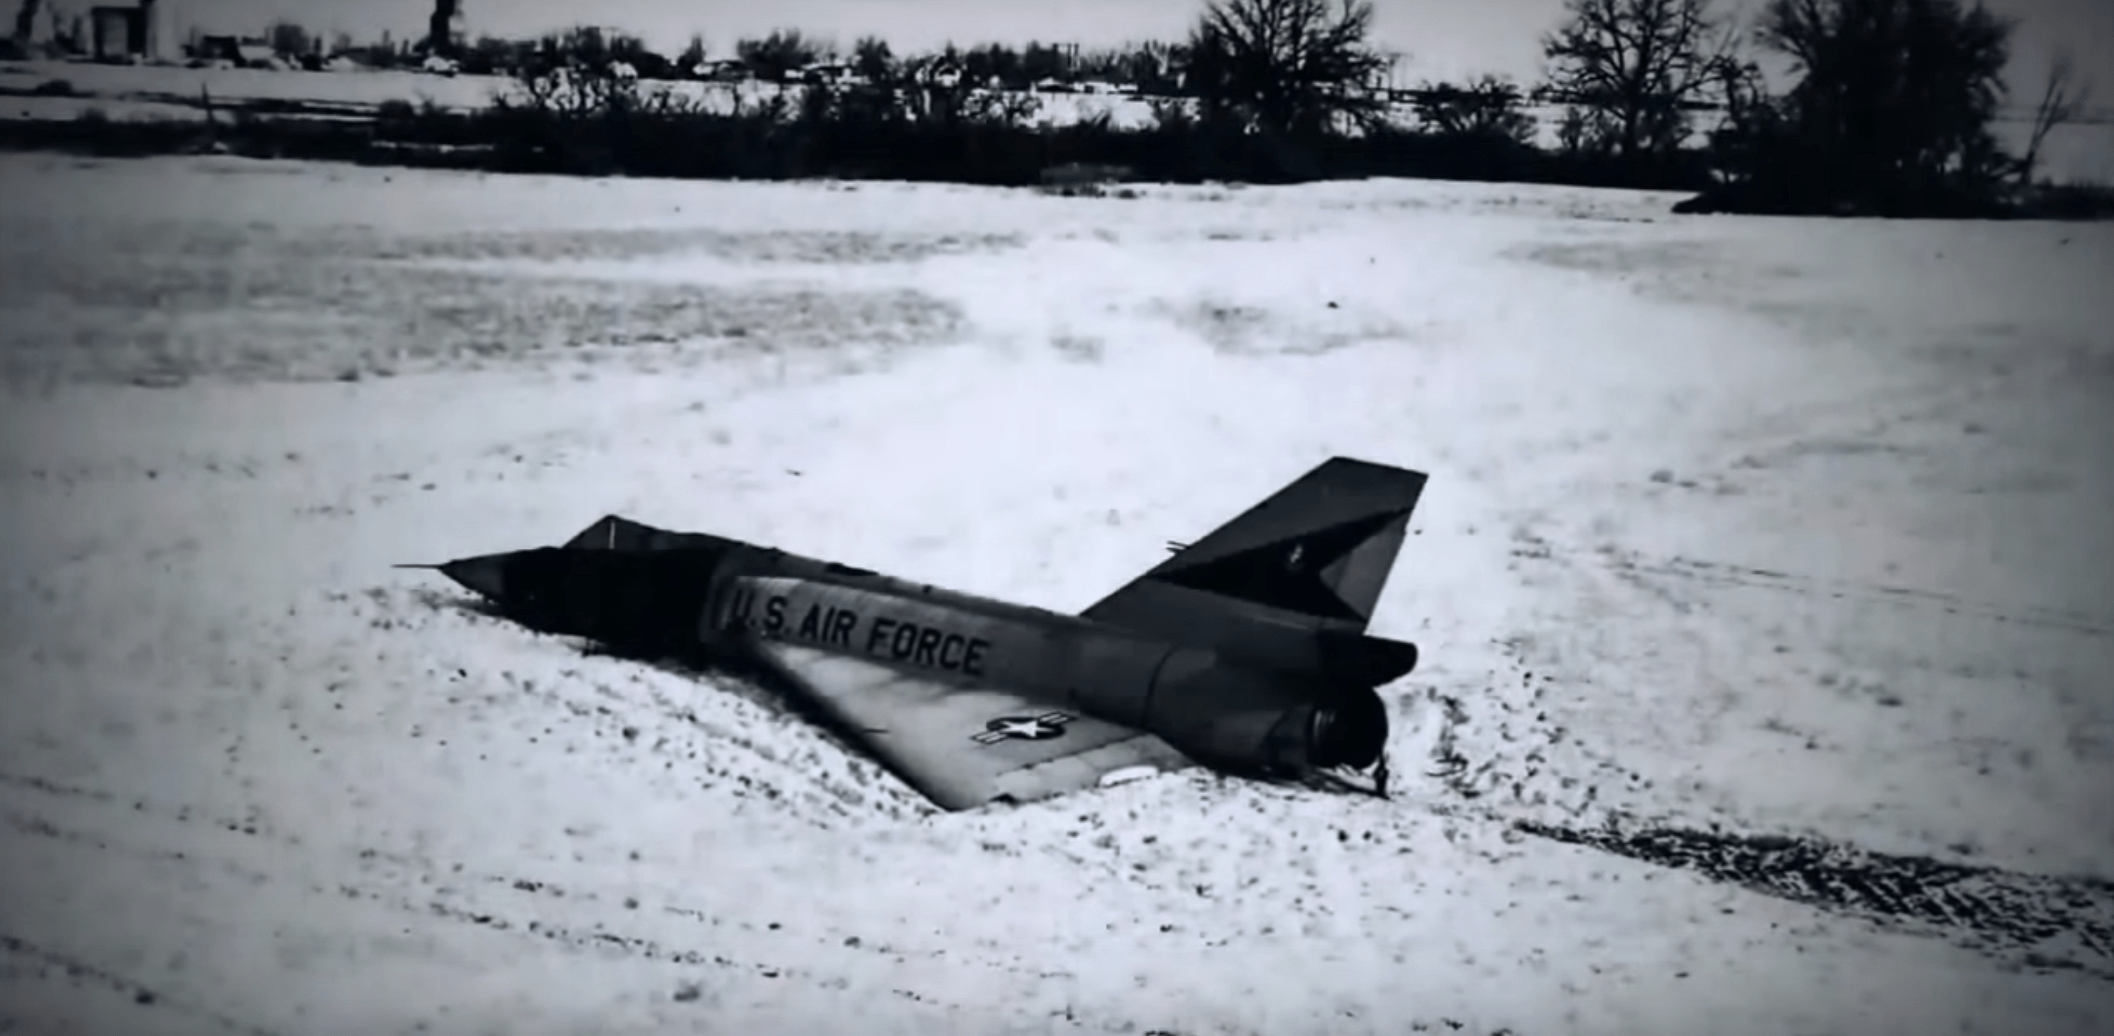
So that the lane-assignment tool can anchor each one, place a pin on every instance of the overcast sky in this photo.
(1442, 38)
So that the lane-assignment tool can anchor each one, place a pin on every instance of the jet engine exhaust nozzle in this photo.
(1350, 731)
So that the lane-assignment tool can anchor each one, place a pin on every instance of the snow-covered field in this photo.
(1737, 530)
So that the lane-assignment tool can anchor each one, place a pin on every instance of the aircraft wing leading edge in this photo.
(966, 746)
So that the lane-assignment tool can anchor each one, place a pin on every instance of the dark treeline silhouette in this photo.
(1889, 112)
(1260, 91)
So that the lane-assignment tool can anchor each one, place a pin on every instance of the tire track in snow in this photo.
(81, 972)
(2040, 921)
(461, 909)
(1527, 774)
(490, 901)
(1630, 563)
(519, 904)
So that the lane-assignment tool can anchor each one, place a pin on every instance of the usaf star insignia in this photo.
(1022, 728)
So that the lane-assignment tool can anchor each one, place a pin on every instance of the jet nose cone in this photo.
(614, 596)
(484, 576)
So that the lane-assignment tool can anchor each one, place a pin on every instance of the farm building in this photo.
(235, 52)
(143, 32)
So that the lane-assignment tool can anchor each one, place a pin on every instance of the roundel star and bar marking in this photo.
(1023, 728)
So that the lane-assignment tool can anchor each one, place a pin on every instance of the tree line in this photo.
(781, 56)
(1889, 108)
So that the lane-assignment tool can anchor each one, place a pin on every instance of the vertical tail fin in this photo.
(1312, 558)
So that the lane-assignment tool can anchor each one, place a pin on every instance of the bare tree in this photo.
(1633, 69)
(1289, 67)
(994, 63)
(1488, 106)
(1894, 95)
(778, 55)
(289, 38)
(693, 54)
(26, 21)
(1040, 61)
(2063, 99)
(873, 60)
(1150, 66)
(443, 28)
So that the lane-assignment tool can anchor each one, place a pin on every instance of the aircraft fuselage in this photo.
(1224, 711)
(1247, 650)
(696, 594)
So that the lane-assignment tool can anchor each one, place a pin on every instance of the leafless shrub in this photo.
(1488, 107)
(1633, 70)
(1287, 67)
(2062, 100)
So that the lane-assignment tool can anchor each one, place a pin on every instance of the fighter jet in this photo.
(1246, 651)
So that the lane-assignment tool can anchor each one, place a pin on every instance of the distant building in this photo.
(145, 32)
(112, 32)
(234, 52)
(941, 73)
(723, 70)
(827, 73)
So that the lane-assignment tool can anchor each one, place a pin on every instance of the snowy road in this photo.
(1762, 570)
